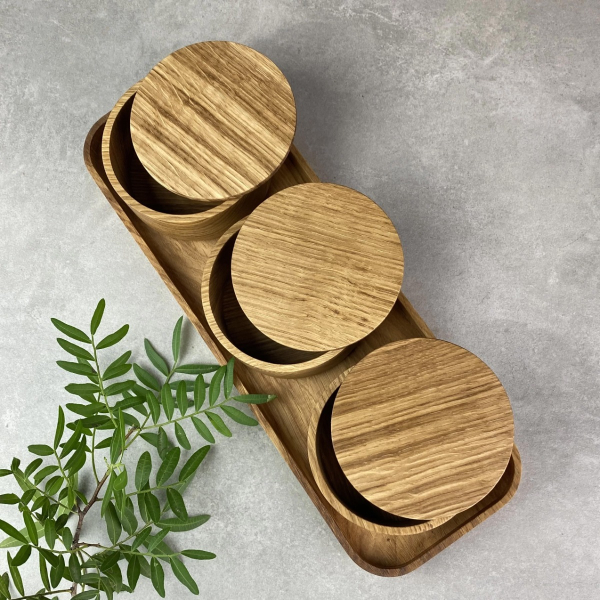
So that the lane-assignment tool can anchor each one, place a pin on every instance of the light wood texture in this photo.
(317, 266)
(229, 324)
(336, 488)
(159, 207)
(213, 121)
(180, 263)
(422, 428)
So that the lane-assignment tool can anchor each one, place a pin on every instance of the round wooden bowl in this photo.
(156, 206)
(334, 485)
(238, 335)
(213, 121)
(422, 429)
(317, 266)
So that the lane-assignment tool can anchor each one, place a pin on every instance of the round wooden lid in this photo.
(317, 266)
(213, 120)
(422, 428)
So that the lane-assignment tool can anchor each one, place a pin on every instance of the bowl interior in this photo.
(136, 181)
(339, 483)
(234, 323)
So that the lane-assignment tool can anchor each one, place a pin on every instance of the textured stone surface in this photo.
(474, 124)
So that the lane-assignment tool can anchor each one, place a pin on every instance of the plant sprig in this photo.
(110, 414)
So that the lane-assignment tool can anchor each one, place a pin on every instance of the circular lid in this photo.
(422, 428)
(317, 266)
(213, 120)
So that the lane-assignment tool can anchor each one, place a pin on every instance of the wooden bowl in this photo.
(158, 207)
(334, 485)
(238, 335)
(213, 121)
(422, 428)
(317, 266)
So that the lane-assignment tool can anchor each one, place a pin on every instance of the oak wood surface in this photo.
(334, 484)
(155, 205)
(232, 328)
(317, 266)
(213, 121)
(180, 263)
(422, 428)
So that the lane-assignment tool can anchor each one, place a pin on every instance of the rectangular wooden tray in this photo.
(180, 264)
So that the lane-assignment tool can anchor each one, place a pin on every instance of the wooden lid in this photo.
(213, 120)
(422, 428)
(317, 266)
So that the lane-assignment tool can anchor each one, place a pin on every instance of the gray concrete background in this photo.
(474, 124)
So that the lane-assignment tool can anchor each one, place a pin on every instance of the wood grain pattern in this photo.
(213, 121)
(336, 488)
(232, 328)
(180, 263)
(156, 206)
(422, 428)
(317, 266)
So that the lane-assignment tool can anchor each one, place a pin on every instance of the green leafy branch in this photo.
(110, 414)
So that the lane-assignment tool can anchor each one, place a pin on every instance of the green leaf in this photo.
(74, 349)
(40, 449)
(77, 368)
(143, 470)
(97, 317)
(108, 490)
(153, 405)
(129, 402)
(166, 397)
(182, 437)
(214, 389)
(110, 560)
(28, 496)
(86, 595)
(157, 577)
(5, 472)
(43, 473)
(31, 528)
(155, 540)
(199, 392)
(50, 533)
(151, 438)
(82, 389)
(60, 427)
(176, 503)
(116, 364)
(118, 388)
(152, 506)
(182, 401)
(118, 371)
(181, 572)
(75, 568)
(196, 369)
(53, 485)
(129, 521)
(141, 538)
(145, 378)
(120, 481)
(176, 344)
(218, 423)
(12, 532)
(72, 442)
(192, 463)
(203, 430)
(22, 556)
(133, 571)
(86, 410)
(4, 593)
(113, 525)
(155, 358)
(228, 382)
(67, 537)
(44, 572)
(16, 576)
(163, 443)
(9, 499)
(168, 466)
(198, 554)
(113, 338)
(57, 571)
(238, 416)
(177, 525)
(71, 331)
(32, 466)
(255, 398)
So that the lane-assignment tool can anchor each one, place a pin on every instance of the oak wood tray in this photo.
(286, 420)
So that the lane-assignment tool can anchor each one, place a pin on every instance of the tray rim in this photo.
(402, 569)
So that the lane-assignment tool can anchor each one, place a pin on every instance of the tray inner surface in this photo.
(180, 264)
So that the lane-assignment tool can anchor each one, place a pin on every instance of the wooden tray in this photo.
(180, 264)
